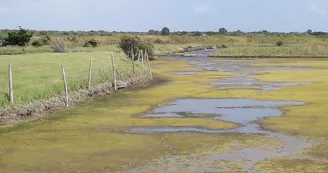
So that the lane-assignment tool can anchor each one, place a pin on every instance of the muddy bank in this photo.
(40, 108)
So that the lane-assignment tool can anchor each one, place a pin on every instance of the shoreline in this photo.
(25, 112)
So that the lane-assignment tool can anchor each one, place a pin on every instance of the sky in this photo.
(178, 15)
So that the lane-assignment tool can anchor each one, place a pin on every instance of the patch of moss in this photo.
(291, 166)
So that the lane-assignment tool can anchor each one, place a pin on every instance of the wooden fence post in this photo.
(132, 58)
(114, 73)
(11, 92)
(150, 73)
(90, 74)
(142, 61)
(65, 85)
(139, 54)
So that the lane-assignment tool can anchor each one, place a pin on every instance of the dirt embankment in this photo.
(39, 108)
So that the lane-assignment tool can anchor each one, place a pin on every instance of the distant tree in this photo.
(184, 33)
(157, 32)
(151, 32)
(197, 33)
(43, 33)
(223, 31)
(165, 31)
(309, 31)
(237, 33)
(19, 37)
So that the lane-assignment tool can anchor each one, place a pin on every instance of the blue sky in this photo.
(142, 15)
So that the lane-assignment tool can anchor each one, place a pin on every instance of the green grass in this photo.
(38, 76)
(15, 50)
(289, 50)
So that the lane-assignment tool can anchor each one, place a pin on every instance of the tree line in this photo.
(165, 31)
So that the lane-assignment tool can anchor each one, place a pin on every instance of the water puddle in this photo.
(242, 111)
(202, 53)
(249, 83)
(184, 72)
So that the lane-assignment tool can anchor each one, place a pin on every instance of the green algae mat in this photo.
(216, 116)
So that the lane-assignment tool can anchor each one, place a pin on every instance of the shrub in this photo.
(161, 41)
(37, 43)
(280, 43)
(91, 43)
(59, 46)
(224, 46)
(18, 37)
(136, 44)
(46, 40)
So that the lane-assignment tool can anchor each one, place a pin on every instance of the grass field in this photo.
(38, 76)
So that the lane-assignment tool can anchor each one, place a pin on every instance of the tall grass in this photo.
(15, 50)
(289, 50)
(76, 43)
(38, 76)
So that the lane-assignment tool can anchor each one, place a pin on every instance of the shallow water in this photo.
(240, 111)
(249, 83)
(203, 53)
(244, 112)
(184, 72)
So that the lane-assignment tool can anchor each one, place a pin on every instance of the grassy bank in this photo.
(38, 76)
(288, 50)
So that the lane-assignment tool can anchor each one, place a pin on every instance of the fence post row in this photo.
(65, 85)
(114, 73)
(90, 74)
(11, 92)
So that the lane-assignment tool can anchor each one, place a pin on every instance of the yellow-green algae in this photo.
(291, 166)
(89, 138)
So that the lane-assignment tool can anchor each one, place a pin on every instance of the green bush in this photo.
(46, 40)
(37, 43)
(280, 43)
(128, 43)
(19, 37)
(91, 43)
